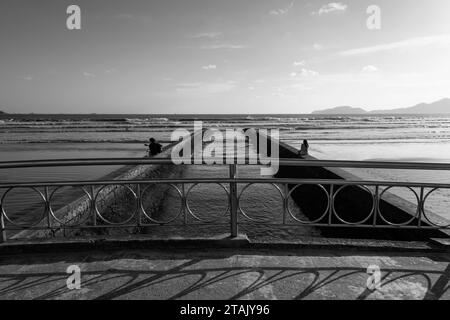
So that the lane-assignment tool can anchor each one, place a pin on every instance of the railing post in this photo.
(331, 208)
(2, 228)
(285, 201)
(47, 210)
(420, 208)
(139, 206)
(376, 205)
(92, 206)
(183, 200)
(233, 202)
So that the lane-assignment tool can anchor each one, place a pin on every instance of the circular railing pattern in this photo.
(9, 219)
(152, 219)
(197, 216)
(70, 222)
(120, 204)
(407, 222)
(362, 221)
(321, 216)
(246, 187)
(426, 214)
(115, 208)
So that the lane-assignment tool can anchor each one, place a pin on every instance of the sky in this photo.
(221, 56)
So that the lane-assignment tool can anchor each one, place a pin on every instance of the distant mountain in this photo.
(438, 107)
(1, 112)
(341, 110)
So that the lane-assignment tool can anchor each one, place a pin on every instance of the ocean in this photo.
(416, 138)
(379, 137)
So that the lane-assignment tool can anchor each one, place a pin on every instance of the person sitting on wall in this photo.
(153, 147)
(304, 148)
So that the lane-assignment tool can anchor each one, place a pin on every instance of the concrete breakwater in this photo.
(353, 204)
(114, 203)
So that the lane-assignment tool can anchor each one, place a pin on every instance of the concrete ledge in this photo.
(441, 242)
(135, 242)
(336, 245)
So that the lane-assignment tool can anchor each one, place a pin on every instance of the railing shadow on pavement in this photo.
(198, 276)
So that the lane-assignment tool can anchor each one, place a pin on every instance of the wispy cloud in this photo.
(88, 74)
(305, 73)
(204, 88)
(223, 45)
(110, 71)
(369, 69)
(332, 7)
(317, 46)
(205, 35)
(124, 16)
(209, 67)
(129, 17)
(282, 11)
(439, 40)
(27, 77)
(299, 63)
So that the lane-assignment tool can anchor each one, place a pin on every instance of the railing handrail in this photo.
(77, 183)
(281, 161)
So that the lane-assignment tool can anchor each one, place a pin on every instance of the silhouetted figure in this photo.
(153, 147)
(304, 148)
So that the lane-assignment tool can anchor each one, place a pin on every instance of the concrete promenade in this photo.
(227, 273)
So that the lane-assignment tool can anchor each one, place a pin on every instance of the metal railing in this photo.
(121, 203)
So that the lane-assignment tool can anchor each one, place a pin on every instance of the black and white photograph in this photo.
(218, 155)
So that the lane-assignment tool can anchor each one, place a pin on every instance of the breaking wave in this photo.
(138, 128)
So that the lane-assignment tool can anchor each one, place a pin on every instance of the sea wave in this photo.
(75, 140)
(137, 128)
